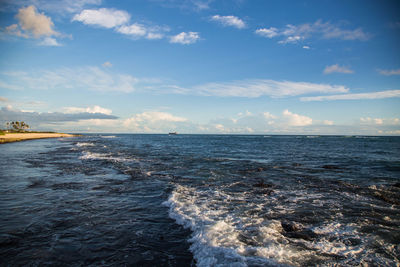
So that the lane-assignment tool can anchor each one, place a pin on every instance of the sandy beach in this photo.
(16, 137)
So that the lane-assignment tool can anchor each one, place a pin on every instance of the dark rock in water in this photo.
(37, 183)
(266, 192)
(396, 185)
(331, 167)
(387, 197)
(134, 173)
(306, 234)
(261, 184)
(291, 227)
(260, 169)
(296, 164)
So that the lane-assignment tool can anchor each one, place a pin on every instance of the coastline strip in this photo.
(16, 137)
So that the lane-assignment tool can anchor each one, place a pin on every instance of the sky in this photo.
(201, 66)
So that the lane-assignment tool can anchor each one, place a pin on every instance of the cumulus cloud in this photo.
(138, 30)
(59, 6)
(185, 38)
(338, 69)
(196, 5)
(36, 23)
(119, 21)
(372, 95)
(294, 119)
(92, 109)
(268, 115)
(155, 116)
(319, 29)
(14, 29)
(86, 78)
(306, 47)
(267, 32)
(327, 122)
(231, 21)
(36, 118)
(107, 64)
(32, 23)
(48, 41)
(389, 72)
(103, 17)
(379, 121)
(153, 121)
(259, 87)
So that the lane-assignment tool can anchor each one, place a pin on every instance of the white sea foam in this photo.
(102, 156)
(231, 229)
(263, 161)
(225, 237)
(108, 136)
(83, 144)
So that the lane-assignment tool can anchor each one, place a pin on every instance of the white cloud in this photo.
(59, 6)
(185, 38)
(380, 121)
(294, 119)
(31, 23)
(134, 29)
(14, 29)
(372, 95)
(196, 5)
(137, 30)
(389, 72)
(48, 41)
(306, 47)
(229, 21)
(323, 30)
(292, 39)
(36, 23)
(338, 69)
(103, 17)
(153, 122)
(107, 64)
(118, 20)
(36, 118)
(394, 132)
(268, 116)
(92, 109)
(265, 32)
(85, 78)
(327, 122)
(257, 88)
(155, 116)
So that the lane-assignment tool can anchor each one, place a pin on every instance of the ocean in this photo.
(200, 200)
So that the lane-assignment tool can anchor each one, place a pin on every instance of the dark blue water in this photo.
(159, 200)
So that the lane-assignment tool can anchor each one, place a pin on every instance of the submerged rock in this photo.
(331, 167)
(261, 184)
(291, 226)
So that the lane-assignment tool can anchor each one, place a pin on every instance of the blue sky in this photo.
(201, 66)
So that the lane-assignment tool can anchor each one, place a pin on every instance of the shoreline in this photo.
(17, 137)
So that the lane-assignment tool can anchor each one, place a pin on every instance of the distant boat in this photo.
(173, 133)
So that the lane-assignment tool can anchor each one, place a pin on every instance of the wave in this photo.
(108, 136)
(82, 144)
(233, 229)
(102, 156)
(221, 237)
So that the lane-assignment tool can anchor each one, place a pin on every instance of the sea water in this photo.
(205, 200)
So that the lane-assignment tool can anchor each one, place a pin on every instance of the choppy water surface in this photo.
(201, 200)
